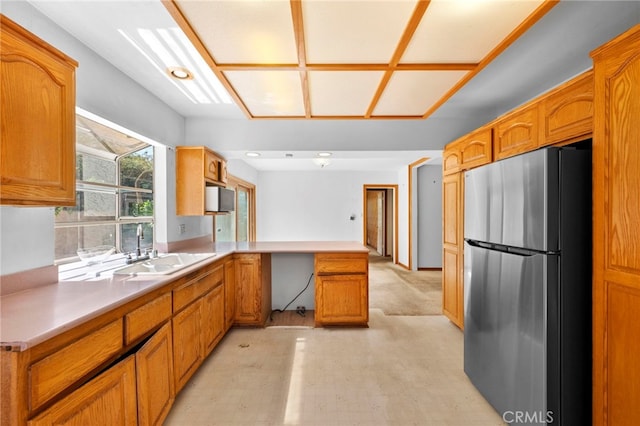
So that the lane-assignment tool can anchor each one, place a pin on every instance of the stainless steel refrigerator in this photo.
(527, 300)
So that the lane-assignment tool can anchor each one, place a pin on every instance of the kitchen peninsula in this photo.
(122, 346)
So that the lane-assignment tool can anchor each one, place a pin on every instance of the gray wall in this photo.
(429, 212)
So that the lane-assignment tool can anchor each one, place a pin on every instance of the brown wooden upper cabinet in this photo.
(196, 167)
(516, 133)
(472, 150)
(37, 136)
(567, 114)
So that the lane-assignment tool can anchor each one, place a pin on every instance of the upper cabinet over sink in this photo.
(37, 140)
(196, 168)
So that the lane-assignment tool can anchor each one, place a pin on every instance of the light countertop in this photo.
(31, 316)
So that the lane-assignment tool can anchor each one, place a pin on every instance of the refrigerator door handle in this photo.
(518, 251)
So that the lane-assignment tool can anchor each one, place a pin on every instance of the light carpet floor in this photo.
(397, 291)
(402, 370)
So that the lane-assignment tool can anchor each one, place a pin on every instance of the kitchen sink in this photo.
(164, 264)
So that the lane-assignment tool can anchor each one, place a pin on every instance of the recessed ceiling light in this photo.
(324, 154)
(252, 154)
(180, 73)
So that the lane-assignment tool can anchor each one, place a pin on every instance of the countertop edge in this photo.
(222, 250)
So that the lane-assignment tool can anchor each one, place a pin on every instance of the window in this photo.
(240, 224)
(114, 193)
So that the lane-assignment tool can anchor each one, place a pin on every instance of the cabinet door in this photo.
(451, 297)
(187, 343)
(342, 299)
(248, 289)
(154, 377)
(451, 158)
(109, 399)
(229, 293)
(452, 278)
(213, 318)
(211, 166)
(476, 149)
(568, 113)
(517, 133)
(224, 175)
(37, 136)
(616, 201)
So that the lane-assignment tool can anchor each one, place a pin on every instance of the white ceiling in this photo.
(553, 50)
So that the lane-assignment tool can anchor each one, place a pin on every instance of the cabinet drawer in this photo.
(211, 166)
(341, 263)
(108, 399)
(147, 317)
(195, 288)
(56, 372)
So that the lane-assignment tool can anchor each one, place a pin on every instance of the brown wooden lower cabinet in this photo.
(187, 343)
(342, 289)
(253, 288)
(213, 325)
(154, 377)
(109, 399)
(128, 366)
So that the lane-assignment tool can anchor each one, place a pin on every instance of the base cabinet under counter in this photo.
(136, 390)
(342, 289)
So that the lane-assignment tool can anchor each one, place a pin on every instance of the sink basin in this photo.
(164, 264)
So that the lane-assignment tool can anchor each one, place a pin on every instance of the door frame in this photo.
(394, 188)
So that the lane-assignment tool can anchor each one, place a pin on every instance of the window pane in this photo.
(243, 214)
(225, 227)
(69, 240)
(136, 169)
(94, 169)
(90, 206)
(129, 237)
(134, 204)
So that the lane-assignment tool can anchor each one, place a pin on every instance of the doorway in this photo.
(380, 219)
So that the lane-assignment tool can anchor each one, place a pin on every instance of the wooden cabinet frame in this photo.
(37, 140)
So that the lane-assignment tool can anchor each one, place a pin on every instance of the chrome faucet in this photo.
(139, 236)
(139, 257)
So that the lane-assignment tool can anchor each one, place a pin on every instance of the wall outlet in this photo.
(182, 228)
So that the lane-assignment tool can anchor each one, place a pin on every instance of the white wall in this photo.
(27, 233)
(315, 206)
(429, 216)
(290, 273)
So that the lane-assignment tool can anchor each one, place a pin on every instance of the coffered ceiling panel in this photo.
(411, 93)
(363, 59)
(354, 89)
(269, 93)
(465, 31)
(247, 32)
(349, 32)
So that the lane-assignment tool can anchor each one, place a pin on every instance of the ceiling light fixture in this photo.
(322, 162)
(180, 73)
(164, 48)
(325, 154)
(252, 154)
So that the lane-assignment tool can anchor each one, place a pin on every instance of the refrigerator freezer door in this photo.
(505, 336)
(514, 201)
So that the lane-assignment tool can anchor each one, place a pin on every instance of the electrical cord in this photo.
(292, 300)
